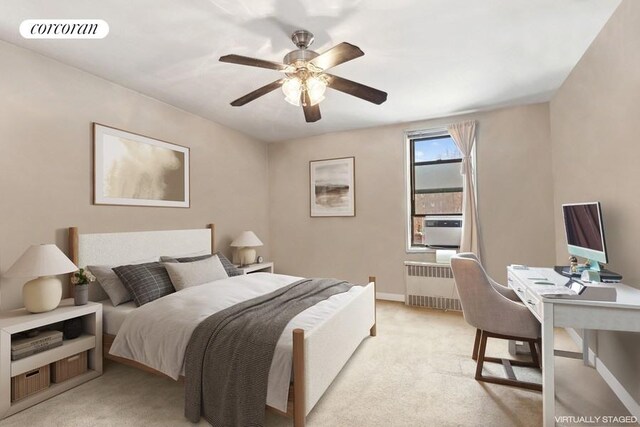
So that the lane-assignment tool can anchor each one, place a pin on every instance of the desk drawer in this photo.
(533, 303)
(516, 286)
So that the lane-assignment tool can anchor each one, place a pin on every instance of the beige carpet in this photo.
(416, 372)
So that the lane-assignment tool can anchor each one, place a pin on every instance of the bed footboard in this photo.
(319, 355)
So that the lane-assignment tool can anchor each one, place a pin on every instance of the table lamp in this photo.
(246, 241)
(44, 261)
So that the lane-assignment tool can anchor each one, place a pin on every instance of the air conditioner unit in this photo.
(443, 231)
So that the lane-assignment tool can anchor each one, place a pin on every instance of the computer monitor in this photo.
(585, 232)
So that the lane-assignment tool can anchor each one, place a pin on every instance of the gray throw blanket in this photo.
(230, 353)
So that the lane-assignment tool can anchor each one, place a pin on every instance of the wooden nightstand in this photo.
(15, 321)
(262, 267)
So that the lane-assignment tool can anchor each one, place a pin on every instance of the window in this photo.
(434, 182)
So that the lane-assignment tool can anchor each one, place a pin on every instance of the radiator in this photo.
(430, 285)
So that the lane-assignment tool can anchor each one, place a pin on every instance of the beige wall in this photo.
(514, 187)
(46, 110)
(596, 150)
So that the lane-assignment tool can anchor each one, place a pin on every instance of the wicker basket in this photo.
(31, 382)
(69, 367)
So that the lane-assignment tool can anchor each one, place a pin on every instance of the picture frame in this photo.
(136, 170)
(332, 190)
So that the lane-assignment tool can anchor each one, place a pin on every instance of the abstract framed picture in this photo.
(332, 187)
(135, 170)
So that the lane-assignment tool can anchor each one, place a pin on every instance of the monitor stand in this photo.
(593, 266)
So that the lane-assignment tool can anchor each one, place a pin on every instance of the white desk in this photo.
(620, 315)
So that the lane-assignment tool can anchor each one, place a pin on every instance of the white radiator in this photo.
(430, 285)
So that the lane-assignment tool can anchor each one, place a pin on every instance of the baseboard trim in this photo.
(390, 297)
(627, 400)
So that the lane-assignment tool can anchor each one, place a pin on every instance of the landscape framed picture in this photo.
(332, 187)
(135, 170)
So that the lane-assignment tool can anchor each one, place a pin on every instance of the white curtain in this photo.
(464, 135)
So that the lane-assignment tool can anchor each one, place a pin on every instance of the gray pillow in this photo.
(146, 282)
(111, 283)
(185, 258)
(186, 274)
(228, 266)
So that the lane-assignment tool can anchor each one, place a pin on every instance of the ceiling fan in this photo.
(306, 77)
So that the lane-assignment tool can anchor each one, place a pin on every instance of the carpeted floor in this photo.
(416, 372)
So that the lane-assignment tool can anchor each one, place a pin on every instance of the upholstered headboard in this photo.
(134, 247)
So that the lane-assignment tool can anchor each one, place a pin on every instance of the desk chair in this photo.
(504, 290)
(494, 315)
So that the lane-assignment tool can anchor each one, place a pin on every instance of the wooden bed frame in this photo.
(296, 403)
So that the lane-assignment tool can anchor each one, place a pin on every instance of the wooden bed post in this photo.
(299, 412)
(73, 244)
(373, 330)
(213, 237)
(73, 250)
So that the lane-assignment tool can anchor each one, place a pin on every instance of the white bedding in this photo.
(113, 317)
(157, 333)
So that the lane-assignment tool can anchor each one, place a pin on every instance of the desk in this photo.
(620, 315)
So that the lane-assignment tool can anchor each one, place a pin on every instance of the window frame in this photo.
(409, 136)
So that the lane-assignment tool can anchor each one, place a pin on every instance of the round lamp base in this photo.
(42, 294)
(247, 255)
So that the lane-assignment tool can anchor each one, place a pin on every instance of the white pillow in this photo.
(111, 283)
(187, 274)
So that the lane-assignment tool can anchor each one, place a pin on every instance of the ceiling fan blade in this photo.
(253, 62)
(337, 55)
(356, 89)
(257, 93)
(311, 112)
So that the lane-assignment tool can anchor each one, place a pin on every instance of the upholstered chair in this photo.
(494, 315)
(504, 290)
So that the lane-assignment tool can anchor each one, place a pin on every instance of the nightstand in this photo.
(262, 267)
(16, 321)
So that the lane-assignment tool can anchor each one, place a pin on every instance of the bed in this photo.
(317, 350)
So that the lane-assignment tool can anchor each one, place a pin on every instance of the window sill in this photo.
(418, 250)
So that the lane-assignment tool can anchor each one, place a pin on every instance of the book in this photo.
(31, 351)
(42, 337)
(35, 347)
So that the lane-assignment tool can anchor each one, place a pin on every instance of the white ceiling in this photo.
(433, 57)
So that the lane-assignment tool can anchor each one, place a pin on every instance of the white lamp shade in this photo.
(246, 239)
(41, 260)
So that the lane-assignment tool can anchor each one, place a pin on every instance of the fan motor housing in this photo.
(300, 55)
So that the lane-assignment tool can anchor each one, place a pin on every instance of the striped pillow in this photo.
(146, 282)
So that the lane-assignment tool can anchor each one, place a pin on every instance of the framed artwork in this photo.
(332, 187)
(135, 170)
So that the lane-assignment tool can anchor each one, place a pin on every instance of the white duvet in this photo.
(157, 333)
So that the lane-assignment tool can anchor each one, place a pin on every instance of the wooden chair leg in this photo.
(481, 351)
(511, 381)
(476, 343)
(534, 353)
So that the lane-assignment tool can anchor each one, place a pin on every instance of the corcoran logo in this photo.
(64, 29)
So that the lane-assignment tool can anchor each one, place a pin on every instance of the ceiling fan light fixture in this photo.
(292, 88)
(316, 88)
(316, 100)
